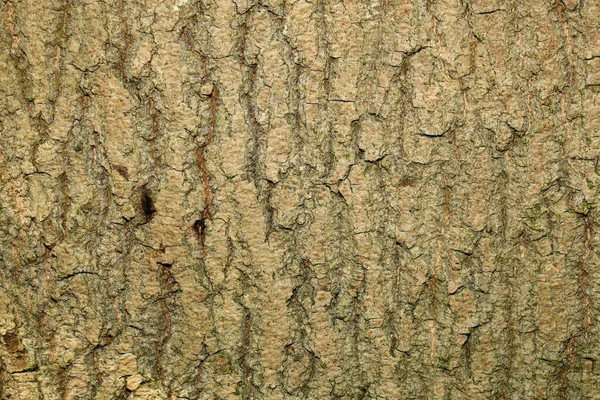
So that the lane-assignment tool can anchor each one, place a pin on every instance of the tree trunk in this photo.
(299, 200)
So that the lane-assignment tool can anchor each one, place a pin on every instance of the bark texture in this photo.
(233, 199)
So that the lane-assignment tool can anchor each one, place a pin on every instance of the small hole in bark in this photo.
(199, 228)
(147, 204)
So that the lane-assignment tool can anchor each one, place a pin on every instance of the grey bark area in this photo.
(232, 199)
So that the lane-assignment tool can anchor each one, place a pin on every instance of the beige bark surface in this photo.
(233, 199)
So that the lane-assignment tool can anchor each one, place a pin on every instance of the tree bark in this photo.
(299, 199)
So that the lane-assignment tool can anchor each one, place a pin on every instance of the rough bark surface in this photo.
(320, 199)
